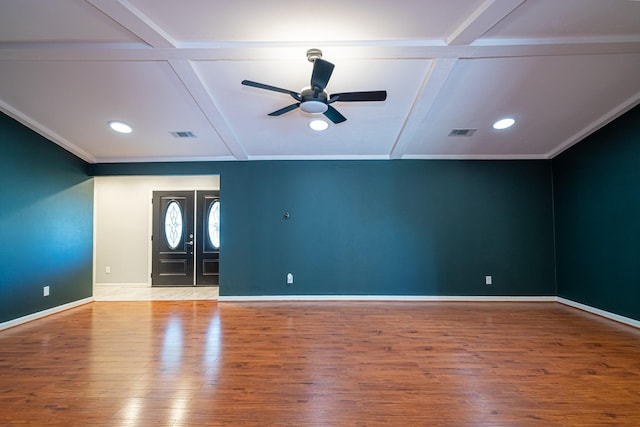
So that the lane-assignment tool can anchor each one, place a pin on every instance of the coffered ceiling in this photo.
(562, 69)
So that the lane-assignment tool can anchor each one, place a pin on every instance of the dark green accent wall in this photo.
(356, 227)
(46, 223)
(597, 205)
(380, 227)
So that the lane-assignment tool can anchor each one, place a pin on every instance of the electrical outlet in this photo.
(289, 279)
(488, 280)
(45, 291)
(107, 269)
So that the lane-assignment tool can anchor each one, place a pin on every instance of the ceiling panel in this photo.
(551, 98)
(371, 127)
(77, 100)
(305, 20)
(58, 21)
(570, 19)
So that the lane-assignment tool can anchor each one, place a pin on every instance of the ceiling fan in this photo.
(315, 99)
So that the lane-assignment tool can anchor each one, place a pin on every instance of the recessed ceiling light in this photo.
(318, 125)
(507, 122)
(120, 127)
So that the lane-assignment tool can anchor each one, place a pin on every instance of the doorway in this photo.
(185, 238)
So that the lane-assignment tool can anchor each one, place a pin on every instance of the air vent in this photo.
(183, 134)
(462, 132)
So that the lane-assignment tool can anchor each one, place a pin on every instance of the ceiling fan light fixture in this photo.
(314, 107)
(504, 123)
(318, 125)
(120, 127)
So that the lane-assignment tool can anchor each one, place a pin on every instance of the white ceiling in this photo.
(563, 69)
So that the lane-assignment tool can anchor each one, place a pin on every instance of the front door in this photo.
(172, 259)
(179, 249)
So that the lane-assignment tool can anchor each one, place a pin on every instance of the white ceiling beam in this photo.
(433, 82)
(482, 20)
(132, 19)
(193, 84)
(486, 49)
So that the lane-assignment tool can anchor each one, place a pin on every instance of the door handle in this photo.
(190, 242)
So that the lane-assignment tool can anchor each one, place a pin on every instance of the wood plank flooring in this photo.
(204, 363)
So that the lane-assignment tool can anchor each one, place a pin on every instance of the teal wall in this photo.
(356, 227)
(597, 205)
(380, 227)
(46, 223)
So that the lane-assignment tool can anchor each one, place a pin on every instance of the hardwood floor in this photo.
(199, 363)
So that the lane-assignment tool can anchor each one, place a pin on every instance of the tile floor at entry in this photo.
(136, 292)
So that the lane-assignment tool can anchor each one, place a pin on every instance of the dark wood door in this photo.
(172, 262)
(208, 238)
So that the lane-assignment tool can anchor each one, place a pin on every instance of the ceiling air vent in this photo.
(183, 134)
(462, 132)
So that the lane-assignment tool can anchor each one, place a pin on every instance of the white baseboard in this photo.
(602, 313)
(267, 298)
(258, 298)
(593, 310)
(44, 313)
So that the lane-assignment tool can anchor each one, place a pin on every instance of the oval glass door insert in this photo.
(214, 224)
(173, 224)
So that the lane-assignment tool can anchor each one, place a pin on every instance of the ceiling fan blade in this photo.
(294, 95)
(285, 109)
(334, 115)
(376, 95)
(321, 73)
